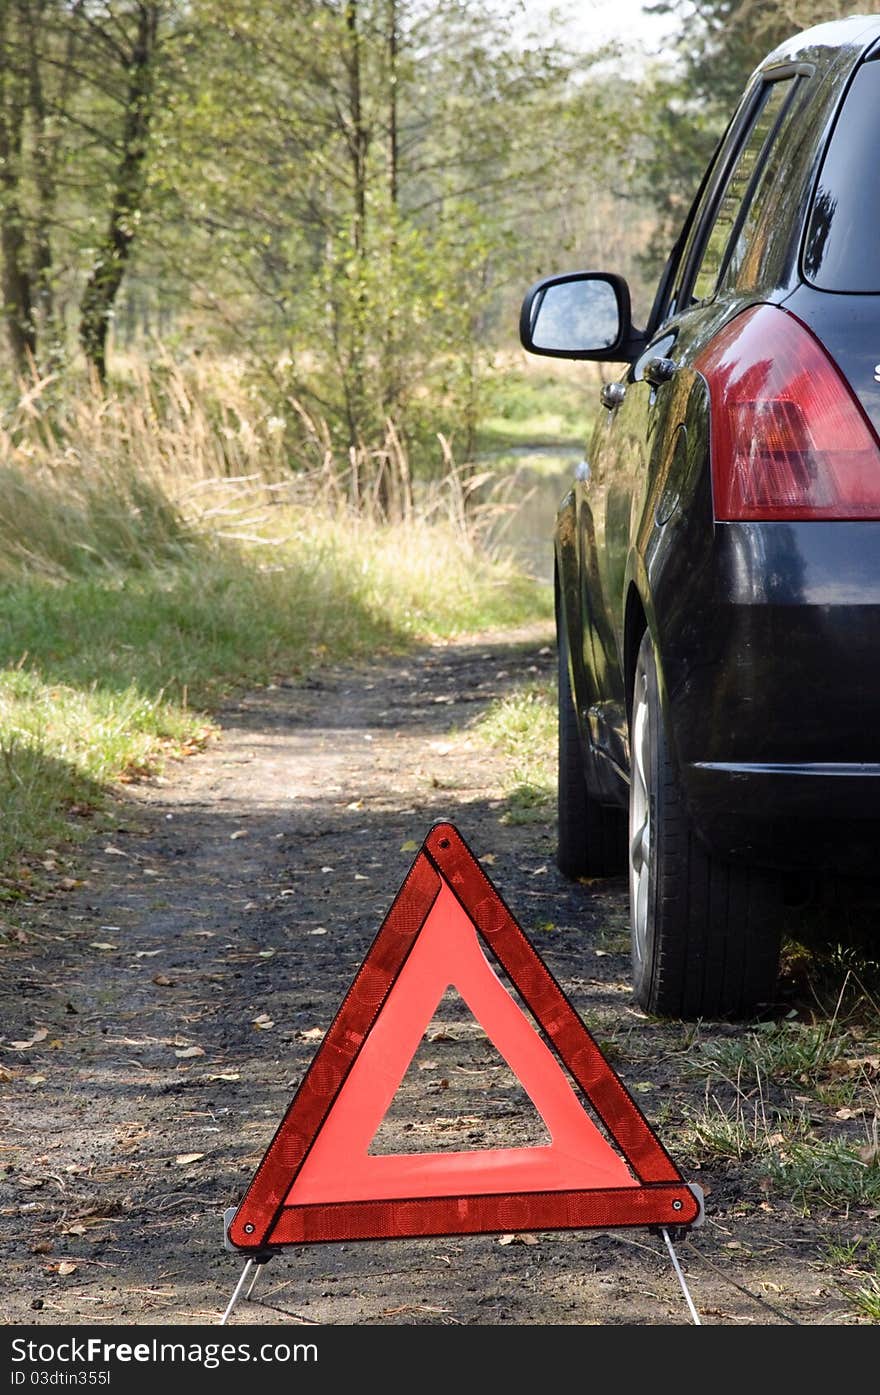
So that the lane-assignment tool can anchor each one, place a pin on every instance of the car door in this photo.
(642, 430)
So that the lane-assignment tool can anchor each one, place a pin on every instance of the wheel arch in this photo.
(635, 624)
(565, 588)
(640, 617)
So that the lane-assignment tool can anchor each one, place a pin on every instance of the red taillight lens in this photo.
(789, 439)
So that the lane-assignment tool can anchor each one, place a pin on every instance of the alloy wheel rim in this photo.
(640, 820)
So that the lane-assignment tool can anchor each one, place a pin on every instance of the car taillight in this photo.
(788, 438)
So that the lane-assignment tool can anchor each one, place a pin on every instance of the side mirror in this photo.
(584, 314)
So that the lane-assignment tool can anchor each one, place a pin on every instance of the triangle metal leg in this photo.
(230, 1307)
(258, 1268)
(695, 1316)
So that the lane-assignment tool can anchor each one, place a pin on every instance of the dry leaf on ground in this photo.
(39, 1035)
(853, 1065)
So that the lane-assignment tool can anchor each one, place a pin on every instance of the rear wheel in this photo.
(705, 933)
(592, 837)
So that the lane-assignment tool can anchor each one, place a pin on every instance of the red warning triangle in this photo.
(318, 1180)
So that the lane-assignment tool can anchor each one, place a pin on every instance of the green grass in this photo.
(792, 1052)
(782, 1151)
(522, 727)
(857, 1261)
(739, 1132)
(867, 1296)
(827, 1172)
(100, 673)
(831, 963)
(793, 1104)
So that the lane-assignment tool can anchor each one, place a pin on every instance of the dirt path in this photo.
(247, 885)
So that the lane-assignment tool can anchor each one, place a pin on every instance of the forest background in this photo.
(260, 391)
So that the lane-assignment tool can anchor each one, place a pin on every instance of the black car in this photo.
(718, 558)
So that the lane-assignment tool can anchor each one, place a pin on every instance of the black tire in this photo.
(592, 837)
(706, 932)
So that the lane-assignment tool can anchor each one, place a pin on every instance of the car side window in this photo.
(669, 298)
(669, 291)
(746, 258)
(743, 182)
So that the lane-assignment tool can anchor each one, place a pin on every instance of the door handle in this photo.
(659, 370)
(612, 395)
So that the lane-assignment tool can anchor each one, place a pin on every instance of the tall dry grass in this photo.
(176, 538)
(178, 456)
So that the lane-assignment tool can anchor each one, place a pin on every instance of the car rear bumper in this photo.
(796, 816)
(776, 723)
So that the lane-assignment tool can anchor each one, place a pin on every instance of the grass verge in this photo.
(153, 558)
(798, 1104)
(522, 726)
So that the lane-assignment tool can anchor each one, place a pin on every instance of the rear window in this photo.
(842, 249)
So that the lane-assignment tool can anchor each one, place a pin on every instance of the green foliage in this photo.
(351, 194)
(544, 407)
(79, 85)
(686, 107)
(353, 230)
(740, 1133)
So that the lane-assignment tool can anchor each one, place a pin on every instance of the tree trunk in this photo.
(358, 141)
(358, 138)
(391, 389)
(32, 15)
(14, 277)
(393, 151)
(101, 289)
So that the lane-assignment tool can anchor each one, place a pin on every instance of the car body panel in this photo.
(765, 633)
